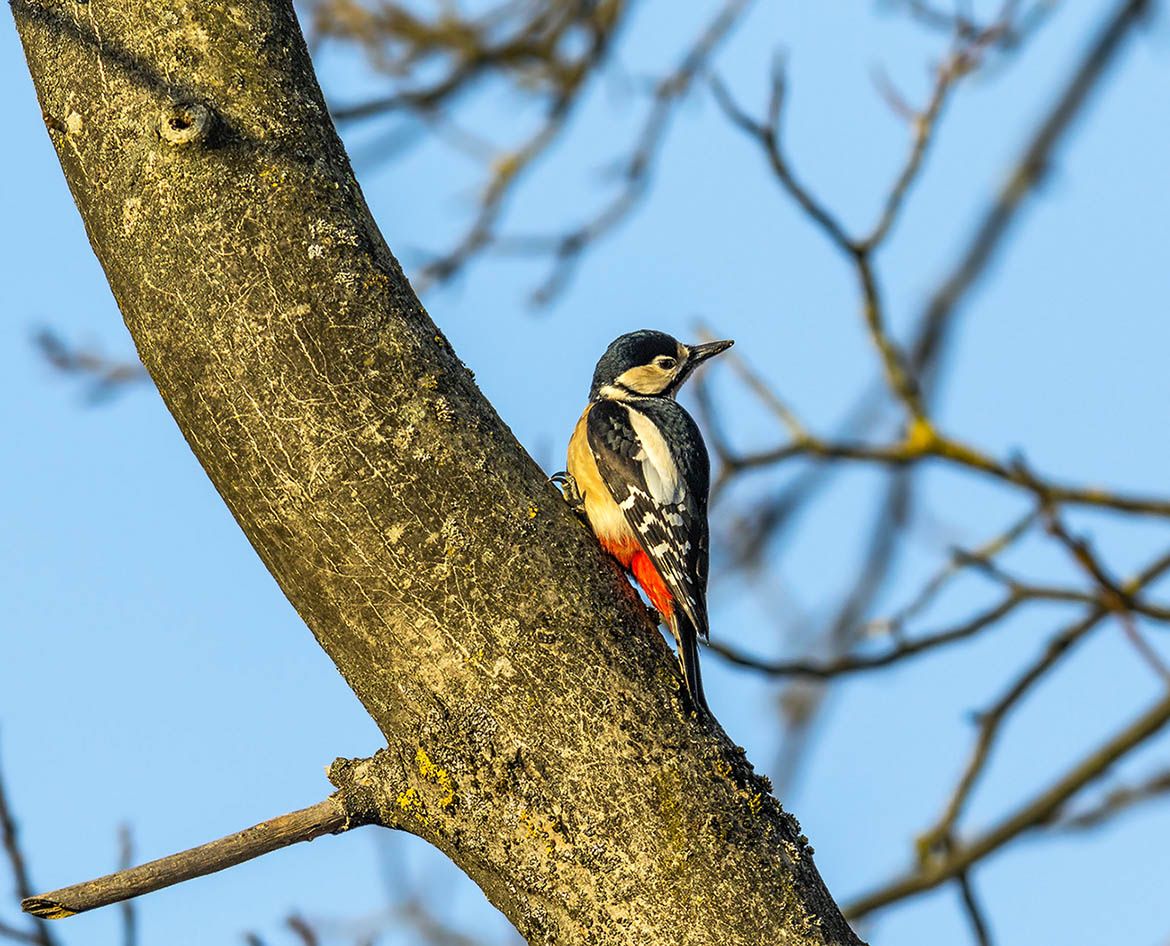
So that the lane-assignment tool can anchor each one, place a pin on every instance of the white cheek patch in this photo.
(658, 466)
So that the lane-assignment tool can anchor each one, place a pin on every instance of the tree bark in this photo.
(531, 710)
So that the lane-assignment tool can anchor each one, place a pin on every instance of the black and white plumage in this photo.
(639, 465)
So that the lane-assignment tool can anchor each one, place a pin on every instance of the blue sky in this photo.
(152, 672)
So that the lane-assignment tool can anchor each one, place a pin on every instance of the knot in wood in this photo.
(185, 123)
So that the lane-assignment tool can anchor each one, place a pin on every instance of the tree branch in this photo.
(1035, 813)
(12, 850)
(325, 817)
(535, 714)
(1022, 178)
(974, 911)
(1115, 802)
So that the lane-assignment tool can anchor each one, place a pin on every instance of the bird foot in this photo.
(569, 490)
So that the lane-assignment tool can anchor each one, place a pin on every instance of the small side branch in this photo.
(974, 910)
(1036, 813)
(325, 817)
(40, 936)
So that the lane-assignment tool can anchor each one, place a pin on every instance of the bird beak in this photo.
(700, 353)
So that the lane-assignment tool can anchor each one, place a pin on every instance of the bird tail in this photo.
(687, 638)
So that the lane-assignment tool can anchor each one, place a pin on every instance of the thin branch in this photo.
(757, 385)
(103, 376)
(768, 136)
(1117, 801)
(923, 442)
(1035, 813)
(303, 930)
(971, 44)
(991, 720)
(960, 560)
(854, 663)
(40, 933)
(125, 860)
(567, 248)
(904, 648)
(325, 817)
(18, 936)
(878, 564)
(974, 910)
(1116, 597)
(430, 928)
(1026, 172)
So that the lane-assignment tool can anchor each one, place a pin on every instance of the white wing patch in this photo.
(658, 467)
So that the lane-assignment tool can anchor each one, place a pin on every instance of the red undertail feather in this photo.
(652, 584)
(632, 558)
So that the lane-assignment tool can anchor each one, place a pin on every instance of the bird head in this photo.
(648, 364)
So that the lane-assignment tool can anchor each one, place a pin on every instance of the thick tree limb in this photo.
(535, 728)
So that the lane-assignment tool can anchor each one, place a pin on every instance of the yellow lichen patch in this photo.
(534, 826)
(410, 802)
(533, 510)
(433, 773)
(722, 768)
(755, 803)
(375, 280)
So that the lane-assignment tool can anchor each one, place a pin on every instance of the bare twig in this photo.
(531, 46)
(1026, 172)
(990, 721)
(325, 817)
(303, 930)
(768, 136)
(1117, 801)
(1035, 813)
(18, 936)
(971, 43)
(854, 663)
(974, 911)
(431, 929)
(1115, 597)
(567, 248)
(40, 933)
(125, 860)
(923, 442)
(960, 560)
(104, 376)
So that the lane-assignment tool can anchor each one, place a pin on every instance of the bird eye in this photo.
(665, 362)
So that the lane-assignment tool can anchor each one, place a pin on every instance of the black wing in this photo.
(653, 461)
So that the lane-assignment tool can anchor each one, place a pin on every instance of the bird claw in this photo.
(569, 490)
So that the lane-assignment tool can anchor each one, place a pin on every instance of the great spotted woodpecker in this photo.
(638, 465)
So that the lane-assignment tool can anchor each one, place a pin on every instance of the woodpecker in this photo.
(638, 467)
